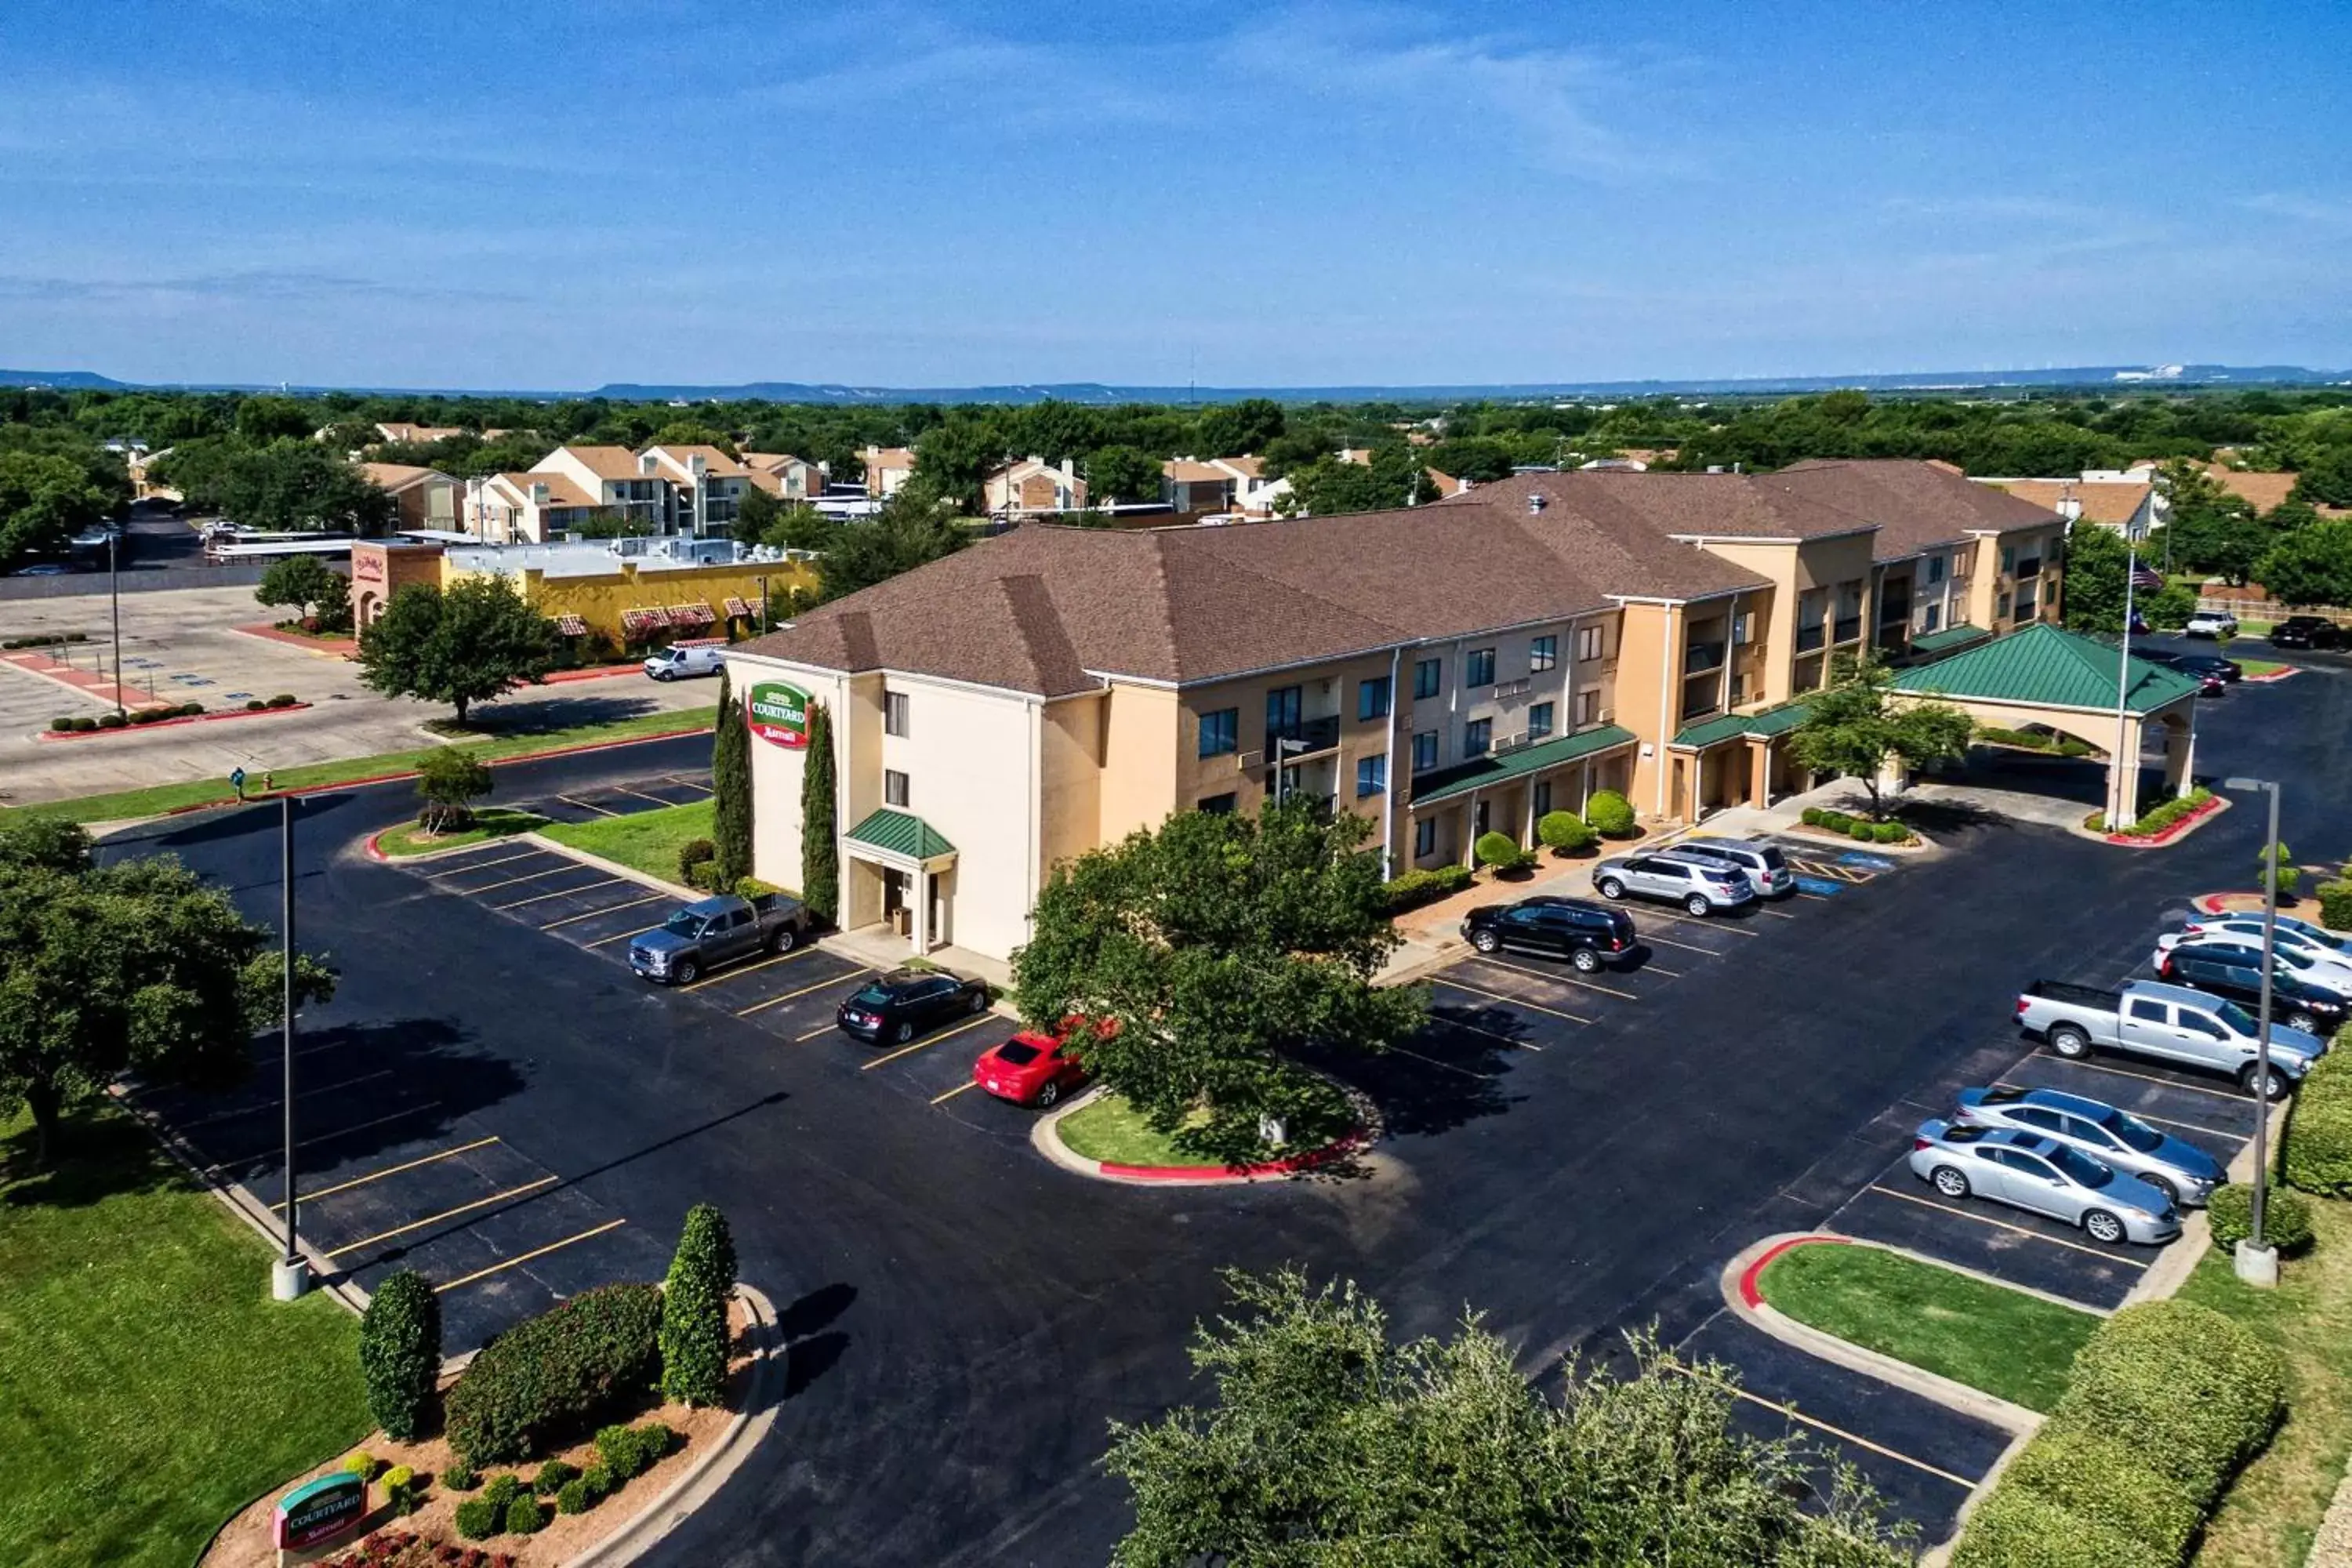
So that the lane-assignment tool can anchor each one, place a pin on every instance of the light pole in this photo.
(289, 1276)
(2256, 1261)
(1283, 747)
(114, 603)
(2122, 787)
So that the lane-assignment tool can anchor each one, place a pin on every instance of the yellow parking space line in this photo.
(758, 1006)
(1669, 941)
(1813, 898)
(444, 1213)
(2149, 1077)
(1514, 1001)
(586, 806)
(2145, 1116)
(2004, 1225)
(1777, 914)
(1433, 1061)
(1559, 979)
(607, 910)
(526, 1258)
(483, 865)
(1490, 1034)
(643, 795)
(1691, 920)
(813, 1033)
(391, 1171)
(1793, 1414)
(559, 893)
(616, 936)
(926, 1043)
(563, 863)
(752, 968)
(959, 1088)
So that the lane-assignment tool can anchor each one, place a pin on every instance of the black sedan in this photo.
(2306, 631)
(901, 1005)
(2211, 672)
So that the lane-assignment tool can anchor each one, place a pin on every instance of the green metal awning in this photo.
(1495, 768)
(1738, 726)
(901, 833)
(2048, 667)
(1957, 636)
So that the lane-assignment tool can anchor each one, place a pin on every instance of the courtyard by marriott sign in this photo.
(318, 1512)
(778, 714)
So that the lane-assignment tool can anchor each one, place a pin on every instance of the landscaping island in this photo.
(489, 822)
(645, 841)
(1107, 1131)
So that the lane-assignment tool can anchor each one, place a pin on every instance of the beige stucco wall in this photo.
(970, 755)
(1647, 666)
(1070, 758)
(1140, 746)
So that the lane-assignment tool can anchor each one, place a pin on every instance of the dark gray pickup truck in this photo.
(712, 931)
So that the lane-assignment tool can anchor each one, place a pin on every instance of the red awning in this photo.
(690, 616)
(736, 606)
(571, 626)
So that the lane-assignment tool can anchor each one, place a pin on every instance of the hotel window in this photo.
(1812, 617)
(1424, 839)
(1428, 679)
(1218, 805)
(1284, 712)
(1931, 617)
(1542, 654)
(1220, 731)
(1539, 720)
(893, 787)
(1738, 687)
(893, 713)
(1372, 698)
(1478, 670)
(1590, 641)
(1425, 751)
(1935, 569)
(2007, 559)
(1477, 737)
(2025, 610)
(1743, 628)
(1543, 799)
(1371, 775)
(1588, 707)
(2000, 609)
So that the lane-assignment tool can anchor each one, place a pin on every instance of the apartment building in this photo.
(785, 477)
(888, 469)
(1034, 487)
(694, 490)
(1219, 487)
(2126, 501)
(1443, 670)
(426, 499)
(705, 487)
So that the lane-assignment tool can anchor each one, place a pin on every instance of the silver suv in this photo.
(1702, 886)
(1767, 867)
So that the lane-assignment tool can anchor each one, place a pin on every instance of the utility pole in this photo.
(114, 602)
(2254, 1260)
(2123, 786)
(289, 1277)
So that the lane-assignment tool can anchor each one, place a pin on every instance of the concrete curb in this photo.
(1048, 1142)
(374, 851)
(1738, 1286)
(701, 1480)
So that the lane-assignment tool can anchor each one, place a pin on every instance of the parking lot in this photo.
(651, 793)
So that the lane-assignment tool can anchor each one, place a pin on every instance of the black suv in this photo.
(893, 1006)
(2306, 631)
(2234, 969)
(1588, 935)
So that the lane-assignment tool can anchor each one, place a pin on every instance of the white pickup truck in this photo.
(2165, 1023)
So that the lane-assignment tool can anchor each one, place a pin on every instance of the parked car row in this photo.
(2043, 1174)
(2167, 1023)
(1705, 876)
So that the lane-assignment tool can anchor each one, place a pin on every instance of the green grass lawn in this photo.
(2272, 1510)
(148, 1387)
(489, 822)
(204, 792)
(2260, 665)
(1111, 1129)
(648, 841)
(2006, 1343)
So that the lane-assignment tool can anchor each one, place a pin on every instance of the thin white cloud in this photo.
(2319, 211)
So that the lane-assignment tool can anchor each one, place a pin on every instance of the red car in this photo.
(1029, 1069)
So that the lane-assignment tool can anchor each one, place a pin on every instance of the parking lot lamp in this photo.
(289, 1276)
(114, 602)
(2256, 1261)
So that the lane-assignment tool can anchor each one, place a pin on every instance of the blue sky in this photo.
(510, 194)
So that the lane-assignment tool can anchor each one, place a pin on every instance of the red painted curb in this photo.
(375, 851)
(1748, 1291)
(1209, 1174)
(2158, 840)
(2276, 675)
(169, 723)
(601, 672)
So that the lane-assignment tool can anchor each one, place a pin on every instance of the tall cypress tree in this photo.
(820, 854)
(731, 784)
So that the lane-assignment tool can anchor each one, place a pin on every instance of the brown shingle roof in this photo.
(2261, 491)
(714, 462)
(395, 477)
(2112, 501)
(605, 462)
(1917, 506)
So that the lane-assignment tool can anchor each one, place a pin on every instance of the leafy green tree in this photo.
(2312, 565)
(730, 785)
(1236, 429)
(1216, 944)
(693, 433)
(1857, 722)
(613, 522)
(820, 819)
(1121, 474)
(2326, 478)
(474, 641)
(44, 843)
(400, 1353)
(907, 533)
(2097, 560)
(1395, 476)
(2207, 529)
(309, 587)
(288, 487)
(1331, 1446)
(756, 513)
(449, 780)
(261, 419)
(695, 1301)
(45, 501)
(802, 527)
(138, 967)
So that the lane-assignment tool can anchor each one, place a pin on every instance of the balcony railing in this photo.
(1314, 735)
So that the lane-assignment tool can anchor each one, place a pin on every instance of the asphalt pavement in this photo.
(1571, 1160)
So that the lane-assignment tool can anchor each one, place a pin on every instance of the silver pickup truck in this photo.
(710, 932)
(2165, 1023)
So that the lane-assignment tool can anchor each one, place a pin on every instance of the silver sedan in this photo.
(2175, 1167)
(2031, 1172)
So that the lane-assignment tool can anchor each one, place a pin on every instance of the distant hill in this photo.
(1099, 393)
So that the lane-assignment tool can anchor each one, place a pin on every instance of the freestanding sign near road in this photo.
(319, 1511)
(778, 714)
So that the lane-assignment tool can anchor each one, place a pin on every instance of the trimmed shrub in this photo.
(1862, 832)
(1498, 850)
(1891, 833)
(1832, 821)
(1812, 815)
(84, 725)
(461, 1478)
(476, 1519)
(599, 1481)
(255, 705)
(617, 1447)
(1414, 888)
(111, 720)
(2196, 1389)
(524, 1517)
(284, 699)
(2163, 817)
(654, 1442)
(62, 725)
(1565, 833)
(400, 1353)
(2335, 903)
(402, 1489)
(362, 1464)
(553, 1476)
(504, 1488)
(2316, 1153)
(2286, 1217)
(691, 855)
(2101, 1478)
(695, 1297)
(1611, 814)
(707, 877)
(573, 1497)
(2015, 1528)
(753, 888)
(555, 1369)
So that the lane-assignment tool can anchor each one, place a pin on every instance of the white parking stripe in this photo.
(560, 892)
(2145, 1077)
(1514, 1001)
(2149, 1116)
(2004, 1225)
(1458, 1023)
(1550, 978)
